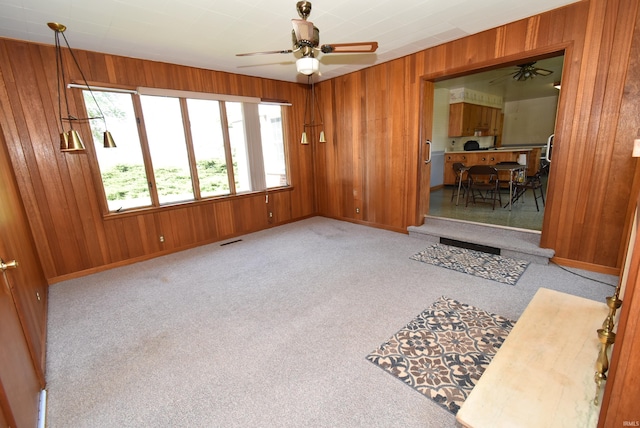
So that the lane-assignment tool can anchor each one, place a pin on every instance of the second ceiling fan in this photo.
(306, 40)
(524, 72)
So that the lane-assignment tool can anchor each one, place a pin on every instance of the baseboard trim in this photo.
(126, 262)
(586, 266)
(42, 409)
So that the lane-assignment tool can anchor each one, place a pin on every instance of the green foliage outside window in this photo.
(124, 182)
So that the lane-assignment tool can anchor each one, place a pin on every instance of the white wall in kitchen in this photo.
(529, 122)
(440, 135)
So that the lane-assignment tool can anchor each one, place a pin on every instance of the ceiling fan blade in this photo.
(288, 51)
(500, 78)
(303, 30)
(359, 47)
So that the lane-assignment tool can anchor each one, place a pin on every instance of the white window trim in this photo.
(197, 95)
(253, 139)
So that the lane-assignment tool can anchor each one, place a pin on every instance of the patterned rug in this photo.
(483, 265)
(443, 352)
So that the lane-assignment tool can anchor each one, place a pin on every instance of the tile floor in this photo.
(523, 214)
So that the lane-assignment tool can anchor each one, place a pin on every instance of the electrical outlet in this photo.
(270, 214)
(357, 210)
(161, 238)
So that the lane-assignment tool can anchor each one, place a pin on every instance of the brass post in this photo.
(606, 337)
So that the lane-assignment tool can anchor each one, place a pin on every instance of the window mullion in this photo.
(227, 148)
(195, 181)
(254, 146)
(146, 154)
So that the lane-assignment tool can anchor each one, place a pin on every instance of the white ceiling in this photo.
(208, 33)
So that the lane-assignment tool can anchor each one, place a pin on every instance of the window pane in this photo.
(238, 143)
(208, 146)
(272, 145)
(122, 168)
(163, 123)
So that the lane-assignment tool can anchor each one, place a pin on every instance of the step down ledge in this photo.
(514, 243)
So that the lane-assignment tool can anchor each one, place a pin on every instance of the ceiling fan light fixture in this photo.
(307, 65)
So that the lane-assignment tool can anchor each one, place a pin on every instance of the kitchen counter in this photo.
(490, 157)
(499, 149)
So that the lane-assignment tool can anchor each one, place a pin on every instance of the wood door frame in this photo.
(533, 55)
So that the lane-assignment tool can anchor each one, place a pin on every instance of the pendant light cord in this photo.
(84, 79)
(60, 82)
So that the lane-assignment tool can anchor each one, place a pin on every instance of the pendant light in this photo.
(310, 107)
(70, 140)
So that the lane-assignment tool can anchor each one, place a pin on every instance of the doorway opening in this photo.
(517, 117)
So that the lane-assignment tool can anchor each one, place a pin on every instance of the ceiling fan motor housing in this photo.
(313, 43)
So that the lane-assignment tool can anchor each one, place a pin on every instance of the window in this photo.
(172, 148)
(168, 148)
(272, 147)
(123, 172)
(237, 139)
(208, 147)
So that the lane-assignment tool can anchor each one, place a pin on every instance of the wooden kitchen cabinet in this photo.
(456, 120)
(466, 119)
(449, 160)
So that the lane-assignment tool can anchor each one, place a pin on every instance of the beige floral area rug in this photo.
(477, 263)
(443, 352)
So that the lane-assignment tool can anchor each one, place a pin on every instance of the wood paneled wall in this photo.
(370, 170)
(57, 187)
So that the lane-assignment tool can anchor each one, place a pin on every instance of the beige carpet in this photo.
(271, 331)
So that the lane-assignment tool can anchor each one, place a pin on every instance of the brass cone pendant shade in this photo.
(304, 139)
(322, 139)
(64, 141)
(72, 140)
(108, 140)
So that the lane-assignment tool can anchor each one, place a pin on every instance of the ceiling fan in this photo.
(306, 40)
(528, 71)
(524, 72)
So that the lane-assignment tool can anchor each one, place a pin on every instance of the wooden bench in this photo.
(543, 375)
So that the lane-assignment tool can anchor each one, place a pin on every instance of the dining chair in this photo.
(535, 184)
(460, 182)
(483, 182)
(505, 176)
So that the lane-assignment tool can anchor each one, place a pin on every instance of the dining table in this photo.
(513, 169)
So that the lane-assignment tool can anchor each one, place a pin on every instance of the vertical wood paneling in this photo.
(58, 187)
(372, 120)
(586, 217)
(417, 171)
(397, 158)
(225, 224)
(585, 212)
